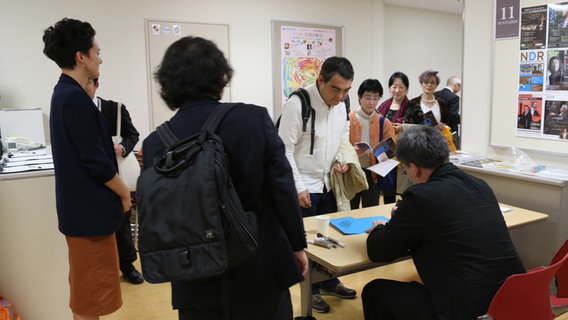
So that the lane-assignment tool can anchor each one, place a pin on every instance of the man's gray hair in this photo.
(422, 145)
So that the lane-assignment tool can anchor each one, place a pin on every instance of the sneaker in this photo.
(339, 291)
(318, 304)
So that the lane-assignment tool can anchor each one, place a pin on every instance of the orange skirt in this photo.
(93, 275)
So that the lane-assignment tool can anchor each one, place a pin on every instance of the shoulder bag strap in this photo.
(166, 134)
(217, 116)
(118, 118)
(169, 138)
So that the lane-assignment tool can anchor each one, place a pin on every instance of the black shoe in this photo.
(133, 276)
(339, 291)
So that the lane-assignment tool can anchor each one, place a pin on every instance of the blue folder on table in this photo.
(351, 225)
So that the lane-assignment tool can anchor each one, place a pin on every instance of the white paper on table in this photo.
(505, 209)
(384, 167)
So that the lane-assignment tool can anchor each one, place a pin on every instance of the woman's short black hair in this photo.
(192, 69)
(372, 85)
(67, 37)
(399, 75)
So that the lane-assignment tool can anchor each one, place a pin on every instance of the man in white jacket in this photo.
(312, 170)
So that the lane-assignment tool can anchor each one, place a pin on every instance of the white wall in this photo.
(418, 40)
(477, 73)
(27, 76)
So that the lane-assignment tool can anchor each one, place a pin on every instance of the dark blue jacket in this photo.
(84, 159)
(261, 174)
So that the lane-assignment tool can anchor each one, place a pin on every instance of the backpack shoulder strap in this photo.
(217, 116)
(166, 134)
(307, 112)
(347, 102)
(307, 109)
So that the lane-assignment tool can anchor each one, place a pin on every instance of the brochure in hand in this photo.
(430, 119)
(383, 151)
(386, 146)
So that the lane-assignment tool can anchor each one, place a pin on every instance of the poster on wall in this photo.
(542, 108)
(558, 25)
(531, 71)
(533, 27)
(303, 51)
(557, 78)
(529, 114)
(299, 51)
(556, 118)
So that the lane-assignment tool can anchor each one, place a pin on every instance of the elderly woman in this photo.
(427, 101)
(366, 125)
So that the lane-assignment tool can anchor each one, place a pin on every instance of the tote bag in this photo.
(128, 167)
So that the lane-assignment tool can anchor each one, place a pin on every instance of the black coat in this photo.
(453, 107)
(444, 116)
(128, 132)
(261, 174)
(454, 230)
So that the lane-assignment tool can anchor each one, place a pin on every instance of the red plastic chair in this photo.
(526, 295)
(559, 301)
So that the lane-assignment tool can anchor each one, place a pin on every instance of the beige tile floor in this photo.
(152, 301)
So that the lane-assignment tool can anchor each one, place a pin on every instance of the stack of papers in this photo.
(26, 161)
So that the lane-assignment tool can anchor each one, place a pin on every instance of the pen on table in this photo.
(321, 243)
(337, 242)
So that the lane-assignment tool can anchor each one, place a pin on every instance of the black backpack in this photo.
(192, 224)
(308, 111)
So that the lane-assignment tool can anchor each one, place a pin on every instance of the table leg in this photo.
(306, 293)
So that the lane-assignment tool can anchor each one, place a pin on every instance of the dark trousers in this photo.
(125, 245)
(370, 197)
(277, 307)
(393, 300)
(367, 198)
(389, 192)
(322, 203)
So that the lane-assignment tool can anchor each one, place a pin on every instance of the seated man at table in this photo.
(450, 223)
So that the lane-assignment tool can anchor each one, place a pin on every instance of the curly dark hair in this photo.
(193, 68)
(67, 37)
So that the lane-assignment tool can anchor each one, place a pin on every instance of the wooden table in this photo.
(332, 263)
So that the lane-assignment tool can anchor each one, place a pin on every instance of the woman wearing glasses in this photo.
(366, 125)
(428, 102)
